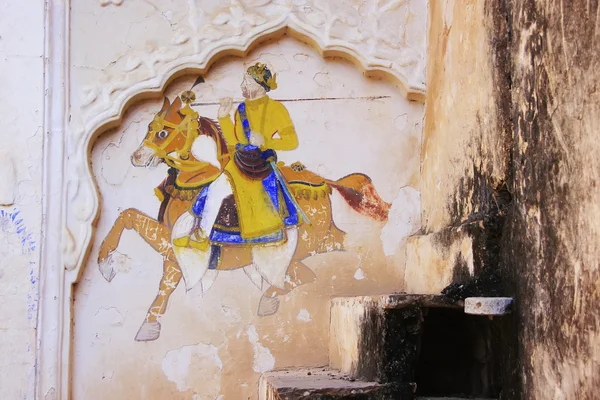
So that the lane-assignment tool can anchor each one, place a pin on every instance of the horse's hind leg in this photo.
(297, 274)
(152, 231)
(150, 329)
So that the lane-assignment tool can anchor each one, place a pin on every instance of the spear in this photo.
(214, 103)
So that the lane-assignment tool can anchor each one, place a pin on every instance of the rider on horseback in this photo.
(264, 206)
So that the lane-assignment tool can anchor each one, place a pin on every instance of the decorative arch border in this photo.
(71, 200)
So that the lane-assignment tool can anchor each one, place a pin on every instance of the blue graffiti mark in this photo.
(32, 296)
(12, 222)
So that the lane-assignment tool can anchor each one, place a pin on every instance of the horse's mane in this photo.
(211, 128)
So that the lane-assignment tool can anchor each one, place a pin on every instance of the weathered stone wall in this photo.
(510, 144)
(466, 146)
(466, 138)
(553, 230)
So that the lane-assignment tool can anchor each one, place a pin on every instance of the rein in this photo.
(189, 128)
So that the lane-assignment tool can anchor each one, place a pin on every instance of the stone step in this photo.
(326, 384)
(376, 338)
(452, 398)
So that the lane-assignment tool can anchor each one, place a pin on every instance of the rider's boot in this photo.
(196, 240)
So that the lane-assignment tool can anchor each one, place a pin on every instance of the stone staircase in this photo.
(400, 347)
(326, 384)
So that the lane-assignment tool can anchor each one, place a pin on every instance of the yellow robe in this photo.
(257, 214)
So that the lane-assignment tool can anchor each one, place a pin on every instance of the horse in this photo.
(195, 150)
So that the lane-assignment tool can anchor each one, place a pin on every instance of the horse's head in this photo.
(172, 133)
(161, 138)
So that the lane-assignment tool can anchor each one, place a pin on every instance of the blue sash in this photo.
(272, 187)
(245, 122)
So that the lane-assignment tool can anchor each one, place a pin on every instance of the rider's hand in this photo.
(225, 105)
(256, 139)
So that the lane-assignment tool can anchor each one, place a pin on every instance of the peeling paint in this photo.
(105, 3)
(301, 57)
(263, 359)
(400, 121)
(322, 79)
(195, 367)
(304, 316)
(110, 316)
(404, 220)
(359, 274)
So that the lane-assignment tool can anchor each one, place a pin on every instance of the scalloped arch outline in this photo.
(70, 197)
(76, 253)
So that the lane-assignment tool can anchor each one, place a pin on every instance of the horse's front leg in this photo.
(152, 231)
(150, 329)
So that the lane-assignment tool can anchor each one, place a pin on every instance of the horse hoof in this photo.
(107, 268)
(148, 332)
(114, 263)
(267, 306)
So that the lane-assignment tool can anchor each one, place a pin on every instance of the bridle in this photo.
(189, 128)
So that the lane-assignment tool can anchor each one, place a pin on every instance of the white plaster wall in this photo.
(215, 344)
(21, 135)
(113, 45)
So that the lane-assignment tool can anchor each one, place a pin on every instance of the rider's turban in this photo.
(263, 76)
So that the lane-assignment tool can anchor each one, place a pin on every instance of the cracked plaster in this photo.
(221, 316)
(134, 50)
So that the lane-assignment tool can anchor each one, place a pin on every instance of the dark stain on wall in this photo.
(491, 203)
(487, 284)
(479, 197)
(547, 239)
(540, 230)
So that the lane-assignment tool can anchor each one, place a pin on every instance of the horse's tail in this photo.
(360, 194)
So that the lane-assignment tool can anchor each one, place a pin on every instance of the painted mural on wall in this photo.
(228, 203)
